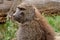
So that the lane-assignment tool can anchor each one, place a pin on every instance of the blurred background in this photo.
(8, 27)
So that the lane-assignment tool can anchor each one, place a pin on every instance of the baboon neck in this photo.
(28, 21)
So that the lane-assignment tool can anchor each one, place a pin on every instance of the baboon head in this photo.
(24, 13)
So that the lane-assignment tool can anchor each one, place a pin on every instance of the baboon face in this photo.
(23, 13)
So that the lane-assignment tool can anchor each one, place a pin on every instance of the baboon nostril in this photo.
(22, 13)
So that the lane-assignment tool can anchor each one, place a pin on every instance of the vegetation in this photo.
(55, 22)
(8, 30)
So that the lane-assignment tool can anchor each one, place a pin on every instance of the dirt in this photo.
(57, 37)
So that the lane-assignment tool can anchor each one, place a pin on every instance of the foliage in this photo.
(10, 30)
(55, 22)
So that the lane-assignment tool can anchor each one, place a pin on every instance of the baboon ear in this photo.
(34, 8)
(36, 12)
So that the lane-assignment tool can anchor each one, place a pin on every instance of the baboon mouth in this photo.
(18, 19)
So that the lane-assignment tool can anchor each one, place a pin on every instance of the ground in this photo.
(57, 36)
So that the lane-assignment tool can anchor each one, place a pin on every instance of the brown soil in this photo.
(57, 37)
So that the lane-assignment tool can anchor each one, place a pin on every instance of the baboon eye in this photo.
(21, 8)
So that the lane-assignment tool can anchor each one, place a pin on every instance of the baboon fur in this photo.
(33, 25)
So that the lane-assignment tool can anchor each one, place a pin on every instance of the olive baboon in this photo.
(34, 26)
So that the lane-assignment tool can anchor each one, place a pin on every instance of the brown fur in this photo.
(34, 26)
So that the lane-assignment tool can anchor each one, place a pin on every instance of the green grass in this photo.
(55, 22)
(10, 30)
